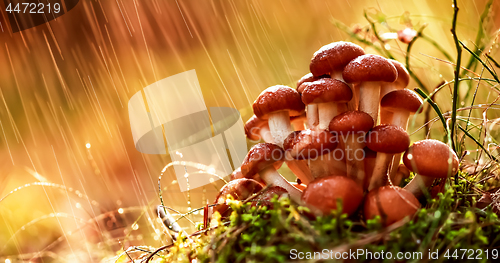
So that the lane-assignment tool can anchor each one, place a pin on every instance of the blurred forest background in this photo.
(65, 85)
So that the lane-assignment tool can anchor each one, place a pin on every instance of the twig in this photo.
(457, 75)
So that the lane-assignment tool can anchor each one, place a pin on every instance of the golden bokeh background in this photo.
(65, 85)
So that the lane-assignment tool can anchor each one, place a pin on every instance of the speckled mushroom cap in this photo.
(351, 122)
(401, 100)
(387, 139)
(252, 128)
(334, 57)
(278, 98)
(308, 78)
(391, 203)
(403, 76)
(323, 194)
(260, 157)
(309, 144)
(431, 158)
(369, 68)
(326, 90)
(239, 189)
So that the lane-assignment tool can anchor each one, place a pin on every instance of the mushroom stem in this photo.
(417, 185)
(301, 170)
(318, 167)
(379, 176)
(335, 164)
(279, 124)
(327, 111)
(394, 169)
(355, 166)
(265, 134)
(273, 178)
(352, 104)
(369, 97)
(312, 115)
(400, 119)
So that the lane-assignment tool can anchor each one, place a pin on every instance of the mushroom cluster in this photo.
(349, 143)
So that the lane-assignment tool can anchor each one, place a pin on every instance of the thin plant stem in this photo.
(457, 75)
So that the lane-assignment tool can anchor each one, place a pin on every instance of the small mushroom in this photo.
(352, 126)
(263, 160)
(369, 72)
(236, 174)
(391, 203)
(239, 189)
(322, 194)
(386, 140)
(332, 58)
(400, 104)
(311, 110)
(330, 96)
(401, 83)
(257, 129)
(311, 145)
(429, 159)
(276, 104)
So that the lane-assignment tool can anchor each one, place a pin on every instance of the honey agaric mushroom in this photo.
(332, 58)
(312, 110)
(323, 193)
(277, 104)
(401, 104)
(386, 140)
(311, 145)
(352, 126)
(257, 129)
(369, 72)
(330, 96)
(429, 159)
(239, 189)
(391, 203)
(401, 83)
(236, 174)
(263, 160)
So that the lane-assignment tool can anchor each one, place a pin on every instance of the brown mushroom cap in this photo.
(325, 90)
(431, 158)
(369, 68)
(239, 189)
(334, 57)
(278, 98)
(403, 76)
(260, 157)
(391, 203)
(309, 144)
(323, 193)
(401, 100)
(387, 138)
(350, 122)
(252, 128)
(308, 78)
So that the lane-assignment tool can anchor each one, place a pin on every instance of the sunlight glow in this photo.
(87, 145)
